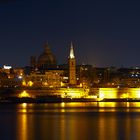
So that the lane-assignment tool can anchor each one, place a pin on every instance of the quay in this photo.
(50, 95)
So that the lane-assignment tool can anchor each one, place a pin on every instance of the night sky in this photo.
(105, 33)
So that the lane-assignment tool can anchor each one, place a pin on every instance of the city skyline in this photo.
(104, 33)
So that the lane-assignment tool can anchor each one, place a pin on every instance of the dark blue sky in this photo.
(105, 33)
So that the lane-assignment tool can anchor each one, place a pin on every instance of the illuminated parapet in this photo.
(112, 93)
(24, 94)
(108, 93)
(73, 93)
(134, 93)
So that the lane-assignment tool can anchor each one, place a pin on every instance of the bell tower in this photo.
(72, 67)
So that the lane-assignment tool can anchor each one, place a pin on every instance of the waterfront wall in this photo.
(112, 93)
(109, 93)
(63, 92)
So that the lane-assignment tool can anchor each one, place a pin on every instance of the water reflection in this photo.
(72, 121)
(22, 123)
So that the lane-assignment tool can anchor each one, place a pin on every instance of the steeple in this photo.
(72, 67)
(71, 51)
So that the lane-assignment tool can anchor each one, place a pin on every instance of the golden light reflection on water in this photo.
(107, 134)
(86, 107)
(118, 106)
(66, 120)
(24, 107)
(107, 104)
(73, 127)
(22, 123)
(89, 106)
(63, 106)
(135, 104)
(76, 121)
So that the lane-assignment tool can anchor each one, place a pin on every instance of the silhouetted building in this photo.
(46, 60)
(33, 62)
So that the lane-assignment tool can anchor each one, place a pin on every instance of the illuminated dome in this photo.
(46, 59)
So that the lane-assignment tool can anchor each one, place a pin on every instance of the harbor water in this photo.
(70, 121)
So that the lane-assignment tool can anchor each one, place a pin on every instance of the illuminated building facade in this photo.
(51, 78)
(85, 74)
(71, 80)
(11, 77)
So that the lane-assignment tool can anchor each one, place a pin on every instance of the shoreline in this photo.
(49, 99)
(53, 95)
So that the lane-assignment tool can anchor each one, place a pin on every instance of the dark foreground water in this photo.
(70, 121)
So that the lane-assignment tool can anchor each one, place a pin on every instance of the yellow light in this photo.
(109, 93)
(62, 104)
(74, 93)
(81, 84)
(24, 105)
(23, 83)
(107, 104)
(91, 96)
(30, 83)
(101, 96)
(125, 95)
(24, 94)
(21, 74)
(62, 84)
(134, 93)
(71, 52)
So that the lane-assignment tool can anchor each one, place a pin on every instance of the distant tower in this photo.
(72, 67)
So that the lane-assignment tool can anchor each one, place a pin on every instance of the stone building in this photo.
(51, 78)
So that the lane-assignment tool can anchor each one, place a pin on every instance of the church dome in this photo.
(46, 59)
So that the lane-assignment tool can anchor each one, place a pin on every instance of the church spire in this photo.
(72, 67)
(71, 51)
